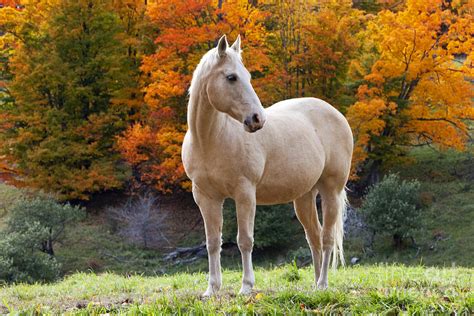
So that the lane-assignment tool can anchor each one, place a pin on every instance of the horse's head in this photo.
(228, 86)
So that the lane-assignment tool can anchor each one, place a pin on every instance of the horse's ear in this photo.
(222, 46)
(236, 45)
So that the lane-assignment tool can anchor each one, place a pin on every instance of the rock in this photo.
(355, 260)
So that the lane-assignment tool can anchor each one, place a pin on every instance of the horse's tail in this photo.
(338, 251)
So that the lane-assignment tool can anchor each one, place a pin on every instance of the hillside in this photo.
(282, 290)
(447, 197)
(447, 192)
(444, 239)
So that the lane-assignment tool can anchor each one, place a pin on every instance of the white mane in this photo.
(207, 63)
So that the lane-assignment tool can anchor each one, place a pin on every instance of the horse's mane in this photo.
(208, 61)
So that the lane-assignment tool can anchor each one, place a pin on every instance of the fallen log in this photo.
(186, 252)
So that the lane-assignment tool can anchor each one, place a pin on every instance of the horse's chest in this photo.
(211, 170)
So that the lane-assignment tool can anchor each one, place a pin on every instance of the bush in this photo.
(21, 259)
(139, 220)
(26, 245)
(48, 213)
(274, 225)
(391, 207)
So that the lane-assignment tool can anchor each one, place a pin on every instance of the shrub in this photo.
(26, 245)
(21, 259)
(139, 220)
(391, 207)
(48, 214)
(274, 225)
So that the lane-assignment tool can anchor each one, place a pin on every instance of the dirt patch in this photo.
(184, 225)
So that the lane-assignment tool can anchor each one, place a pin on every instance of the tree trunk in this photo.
(397, 240)
(47, 247)
(374, 173)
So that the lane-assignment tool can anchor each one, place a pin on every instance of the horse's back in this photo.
(317, 110)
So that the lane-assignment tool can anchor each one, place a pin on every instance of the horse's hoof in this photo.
(209, 293)
(322, 285)
(245, 290)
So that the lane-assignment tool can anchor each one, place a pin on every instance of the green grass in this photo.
(91, 246)
(443, 285)
(357, 290)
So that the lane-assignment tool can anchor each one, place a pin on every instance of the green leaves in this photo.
(391, 207)
(26, 246)
(20, 257)
(69, 86)
(46, 212)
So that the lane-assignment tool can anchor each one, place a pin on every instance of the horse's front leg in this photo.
(211, 211)
(246, 204)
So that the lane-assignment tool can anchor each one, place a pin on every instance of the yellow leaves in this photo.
(259, 296)
(365, 118)
(414, 62)
(415, 67)
(375, 78)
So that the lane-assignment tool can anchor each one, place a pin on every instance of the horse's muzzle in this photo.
(254, 123)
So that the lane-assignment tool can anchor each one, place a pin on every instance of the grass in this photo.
(359, 290)
(92, 247)
(438, 278)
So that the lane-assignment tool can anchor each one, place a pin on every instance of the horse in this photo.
(289, 152)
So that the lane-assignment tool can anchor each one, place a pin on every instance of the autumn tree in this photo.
(417, 90)
(71, 75)
(137, 37)
(185, 31)
(311, 44)
(6, 100)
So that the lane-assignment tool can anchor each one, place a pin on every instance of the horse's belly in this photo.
(283, 185)
(270, 195)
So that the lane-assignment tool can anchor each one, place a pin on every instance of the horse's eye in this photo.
(232, 77)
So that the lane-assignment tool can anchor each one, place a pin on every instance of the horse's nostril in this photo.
(256, 118)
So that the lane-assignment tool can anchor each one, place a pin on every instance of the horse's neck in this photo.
(205, 123)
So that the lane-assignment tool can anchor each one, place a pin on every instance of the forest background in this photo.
(93, 100)
(93, 94)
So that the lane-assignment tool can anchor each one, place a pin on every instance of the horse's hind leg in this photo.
(305, 208)
(333, 204)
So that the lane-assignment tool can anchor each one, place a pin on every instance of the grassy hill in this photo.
(447, 184)
(445, 237)
(281, 290)
(437, 278)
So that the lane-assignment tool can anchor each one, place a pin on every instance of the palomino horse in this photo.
(290, 151)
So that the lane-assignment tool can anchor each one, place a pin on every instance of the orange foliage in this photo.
(187, 29)
(418, 89)
(409, 73)
(312, 44)
(156, 155)
(70, 89)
